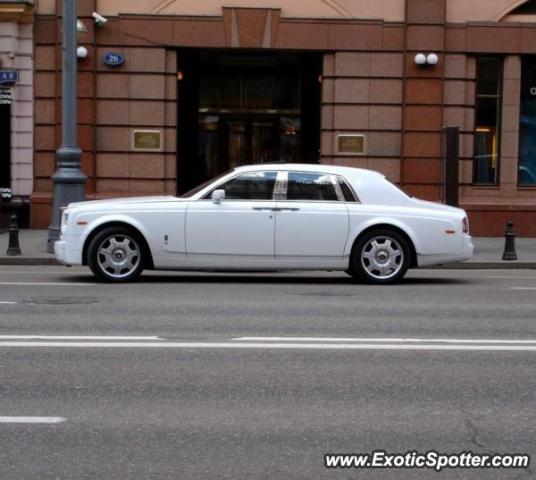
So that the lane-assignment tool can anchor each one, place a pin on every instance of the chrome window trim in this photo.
(280, 187)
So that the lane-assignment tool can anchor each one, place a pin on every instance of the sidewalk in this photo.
(488, 252)
(33, 244)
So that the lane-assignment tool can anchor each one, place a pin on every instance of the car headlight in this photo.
(64, 219)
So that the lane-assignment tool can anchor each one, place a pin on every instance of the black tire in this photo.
(376, 270)
(126, 258)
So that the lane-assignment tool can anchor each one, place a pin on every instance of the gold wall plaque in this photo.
(148, 140)
(350, 144)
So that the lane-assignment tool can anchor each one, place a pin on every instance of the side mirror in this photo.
(218, 196)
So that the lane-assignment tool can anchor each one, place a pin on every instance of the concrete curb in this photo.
(28, 261)
(488, 266)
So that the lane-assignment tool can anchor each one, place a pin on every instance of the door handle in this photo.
(272, 209)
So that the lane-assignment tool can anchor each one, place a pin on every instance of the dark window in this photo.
(487, 128)
(250, 186)
(346, 190)
(527, 127)
(528, 8)
(310, 186)
(5, 147)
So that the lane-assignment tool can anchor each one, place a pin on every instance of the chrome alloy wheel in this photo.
(382, 257)
(118, 255)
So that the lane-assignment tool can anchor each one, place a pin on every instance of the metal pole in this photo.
(69, 180)
(452, 164)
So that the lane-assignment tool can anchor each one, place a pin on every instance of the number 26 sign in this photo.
(113, 59)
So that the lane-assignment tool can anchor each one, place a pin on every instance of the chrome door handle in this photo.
(272, 209)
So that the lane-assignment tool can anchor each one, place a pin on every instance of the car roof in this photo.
(313, 167)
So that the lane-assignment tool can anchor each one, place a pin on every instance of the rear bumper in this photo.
(468, 248)
(465, 254)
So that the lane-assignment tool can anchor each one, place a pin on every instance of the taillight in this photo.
(465, 225)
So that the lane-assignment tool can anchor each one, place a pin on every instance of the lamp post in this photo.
(69, 180)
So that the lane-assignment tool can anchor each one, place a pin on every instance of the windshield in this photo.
(193, 191)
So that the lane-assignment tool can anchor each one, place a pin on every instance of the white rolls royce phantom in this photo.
(268, 217)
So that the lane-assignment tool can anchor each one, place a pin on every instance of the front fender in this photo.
(113, 218)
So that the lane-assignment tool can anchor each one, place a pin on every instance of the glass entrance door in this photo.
(247, 141)
(228, 140)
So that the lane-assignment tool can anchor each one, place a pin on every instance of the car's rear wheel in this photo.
(381, 257)
(116, 255)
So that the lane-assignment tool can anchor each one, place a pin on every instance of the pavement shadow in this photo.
(269, 278)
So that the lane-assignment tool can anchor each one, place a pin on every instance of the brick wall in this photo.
(362, 93)
(113, 102)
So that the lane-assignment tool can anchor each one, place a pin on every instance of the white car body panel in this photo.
(238, 228)
(197, 234)
(314, 230)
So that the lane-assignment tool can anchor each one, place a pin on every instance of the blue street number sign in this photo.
(113, 59)
(9, 76)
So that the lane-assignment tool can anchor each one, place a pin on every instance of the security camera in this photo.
(99, 19)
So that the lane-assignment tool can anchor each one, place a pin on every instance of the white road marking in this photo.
(8, 303)
(384, 340)
(514, 277)
(271, 346)
(50, 284)
(74, 337)
(32, 420)
(522, 288)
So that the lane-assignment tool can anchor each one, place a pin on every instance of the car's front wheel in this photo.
(116, 255)
(381, 257)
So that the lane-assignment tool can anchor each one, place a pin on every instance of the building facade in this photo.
(16, 101)
(173, 93)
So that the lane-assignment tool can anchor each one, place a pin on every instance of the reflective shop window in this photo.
(527, 126)
(310, 186)
(488, 127)
(250, 186)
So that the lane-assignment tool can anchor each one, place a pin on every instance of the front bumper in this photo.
(65, 255)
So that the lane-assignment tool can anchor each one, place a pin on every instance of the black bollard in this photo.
(510, 242)
(13, 247)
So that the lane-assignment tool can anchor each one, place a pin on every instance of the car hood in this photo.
(125, 201)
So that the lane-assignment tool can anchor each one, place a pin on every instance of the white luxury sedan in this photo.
(264, 218)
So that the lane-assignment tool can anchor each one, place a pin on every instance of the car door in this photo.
(312, 221)
(242, 225)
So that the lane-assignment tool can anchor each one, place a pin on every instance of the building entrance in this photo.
(240, 108)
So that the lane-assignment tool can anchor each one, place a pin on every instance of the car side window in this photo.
(249, 186)
(311, 186)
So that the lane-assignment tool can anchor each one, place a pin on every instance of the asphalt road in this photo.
(211, 376)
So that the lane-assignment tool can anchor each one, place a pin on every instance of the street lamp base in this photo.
(69, 186)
